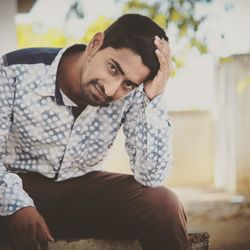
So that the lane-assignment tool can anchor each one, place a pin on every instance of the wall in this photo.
(233, 123)
(8, 40)
(192, 147)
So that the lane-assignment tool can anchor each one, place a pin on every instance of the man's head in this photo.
(137, 33)
(120, 59)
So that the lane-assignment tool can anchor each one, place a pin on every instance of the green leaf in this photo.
(243, 85)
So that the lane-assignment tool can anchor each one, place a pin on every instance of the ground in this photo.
(225, 216)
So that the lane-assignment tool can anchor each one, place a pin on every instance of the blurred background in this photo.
(207, 98)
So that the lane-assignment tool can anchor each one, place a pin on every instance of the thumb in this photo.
(50, 238)
(47, 233)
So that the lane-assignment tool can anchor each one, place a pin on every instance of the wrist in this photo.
(151, 95)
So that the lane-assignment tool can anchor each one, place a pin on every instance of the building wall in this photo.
(8, 39)
(193, 149)
(233, 123)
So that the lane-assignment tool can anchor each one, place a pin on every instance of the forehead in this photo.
(130, 63)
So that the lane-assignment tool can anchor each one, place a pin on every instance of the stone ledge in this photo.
(197, 241)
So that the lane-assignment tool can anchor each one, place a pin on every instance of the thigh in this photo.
(3, 231)
(100, 205)
(111, 205)
(97, 204)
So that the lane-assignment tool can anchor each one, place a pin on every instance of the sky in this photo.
(226, 30)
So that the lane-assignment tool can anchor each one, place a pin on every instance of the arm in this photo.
(148, 140)
(25, 224)
(147, 127)
(12, 197)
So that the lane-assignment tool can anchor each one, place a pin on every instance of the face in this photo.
(110, 74)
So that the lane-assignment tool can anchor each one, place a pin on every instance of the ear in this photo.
(96, 43)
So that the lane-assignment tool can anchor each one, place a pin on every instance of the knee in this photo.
(164, 221)
(164, 204)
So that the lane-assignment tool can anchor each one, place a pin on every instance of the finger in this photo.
(49, 236)
(167, 50)
(43, 241)
(26, 238)
(43, 244)
(19, 242)
(24, 245)
(170, 62)
(46, 232)
(32, 243)
(166, 66)
(162, 45)
(14, 245)
(162, 60)
(167, 53)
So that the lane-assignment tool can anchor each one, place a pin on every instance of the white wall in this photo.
(193, 149)
(233, 123)
(8, 39)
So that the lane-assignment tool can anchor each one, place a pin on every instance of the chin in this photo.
(96, 103)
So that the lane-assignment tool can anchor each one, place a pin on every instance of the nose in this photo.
(112, 87)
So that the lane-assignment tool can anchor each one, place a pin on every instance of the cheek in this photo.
(86, 75)
(91, 71)
(120, 94)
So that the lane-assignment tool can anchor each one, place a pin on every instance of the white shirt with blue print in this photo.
(39, 135)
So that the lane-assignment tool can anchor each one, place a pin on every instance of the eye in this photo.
(113, 68)
(129, 85)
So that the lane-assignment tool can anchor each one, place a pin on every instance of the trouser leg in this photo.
(3, 232)
(107, 205)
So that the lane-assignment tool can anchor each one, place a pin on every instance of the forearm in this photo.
(12, 195)
(148, 141)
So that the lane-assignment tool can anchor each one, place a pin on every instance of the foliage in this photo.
(228, 59)
(243, 85)
(172, 14)
(28, 37)
(178, 18)
(98, 26)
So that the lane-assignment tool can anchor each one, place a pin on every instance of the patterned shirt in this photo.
(40, 134)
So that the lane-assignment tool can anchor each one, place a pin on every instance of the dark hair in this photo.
(136, 32)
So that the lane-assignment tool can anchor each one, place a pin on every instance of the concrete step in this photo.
(197, 241)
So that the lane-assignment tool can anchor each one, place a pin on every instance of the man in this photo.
(60, 112)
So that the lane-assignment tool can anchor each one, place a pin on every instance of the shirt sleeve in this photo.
(148, 130)
(12, 195)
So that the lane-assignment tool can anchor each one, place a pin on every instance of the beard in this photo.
(91, 98)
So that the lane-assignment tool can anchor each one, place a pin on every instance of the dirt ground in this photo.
(225, 216)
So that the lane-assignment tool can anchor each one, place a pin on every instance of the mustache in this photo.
(102, 90)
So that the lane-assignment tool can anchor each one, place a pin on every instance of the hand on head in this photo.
(156, 86)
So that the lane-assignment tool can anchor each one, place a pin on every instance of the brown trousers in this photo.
(108, 206)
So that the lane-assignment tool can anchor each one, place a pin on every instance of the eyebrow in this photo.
(122, 72)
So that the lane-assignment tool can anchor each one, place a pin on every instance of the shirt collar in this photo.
(47, 85)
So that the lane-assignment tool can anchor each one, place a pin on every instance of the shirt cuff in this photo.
(156, 111)
(12, 196)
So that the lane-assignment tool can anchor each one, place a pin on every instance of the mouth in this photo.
(99, 93)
